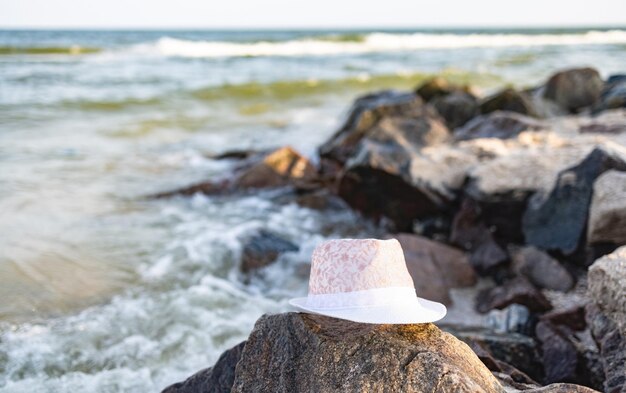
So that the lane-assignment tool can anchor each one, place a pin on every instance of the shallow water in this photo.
(105, 290)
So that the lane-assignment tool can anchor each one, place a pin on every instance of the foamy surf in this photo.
(374, 43)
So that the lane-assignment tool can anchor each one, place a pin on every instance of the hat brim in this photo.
(415, 310)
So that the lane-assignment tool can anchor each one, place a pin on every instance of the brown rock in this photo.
(435, 267)
(517, 290)
(541, 269)
(572, 317)
(575, 89)
(509, 100)
(499, 124)
(562, 388)
(307, 353)
(279, 168)
(435, 87)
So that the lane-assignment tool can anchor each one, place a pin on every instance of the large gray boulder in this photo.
(306, 353)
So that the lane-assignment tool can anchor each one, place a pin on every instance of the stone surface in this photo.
(575, 89)
(508, 100)
(573, 317)
(607, 213)
(435, 267)
(517, 350)
(456, 108)
(614, 93)
(366, 113)
(517, 290)
(612, 345)
(470, 232)
(306, 353)
(558, 221)
(216, 379)
(499, 124)
(560, 358)
(541, 269)
(262, 248)
(279, 168)
(607, 286)
(562, 388)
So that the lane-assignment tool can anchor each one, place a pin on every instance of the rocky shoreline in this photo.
(524, 190)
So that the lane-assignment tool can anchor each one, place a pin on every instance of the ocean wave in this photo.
(373, 43)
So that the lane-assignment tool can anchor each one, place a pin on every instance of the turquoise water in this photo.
(104, 290)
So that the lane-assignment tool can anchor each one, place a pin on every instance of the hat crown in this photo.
(349, 265)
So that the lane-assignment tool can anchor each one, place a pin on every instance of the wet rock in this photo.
(365, 115)
(607, 214)
(279, 168)
(435, 87)
(511, 319)
(541, 269)
(321, 199)
(379, 182)
(558, 221)
(517, 290)
(572, 317)
(471, 233)
(509, 100)
(308, 353)
(614, 93)
(216, 379)
(262, 248)
(514, 375)
(499, 124)
(456, 108)
(612, 344)
(575, 89)
(514, 349)
(435, 267)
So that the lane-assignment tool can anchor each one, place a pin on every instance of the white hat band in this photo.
(368, 298)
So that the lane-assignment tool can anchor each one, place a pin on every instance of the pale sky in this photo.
(309, 13)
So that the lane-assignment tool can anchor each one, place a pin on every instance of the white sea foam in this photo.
(375, 42)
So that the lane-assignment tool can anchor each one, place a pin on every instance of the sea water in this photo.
(104, 289)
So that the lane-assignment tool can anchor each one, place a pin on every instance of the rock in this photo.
(612, 344)
(262, 248)
(380, 182)
(511, 319)
(575, 89)
(499, 124)
(456, 108)
(509, 100)
(309, 353)
(435, 87)
(517, 290)
(558, 222)
(320, 200)
(216, 379)
(562, 388)
(541, 269)
(607, 214)
(366, 113)
(614, 93)
(607, 286)
(279, 168)
(435, 267)
(497, 366)
(514, 349)
(471, 233)
(572, 317)
(566, 360)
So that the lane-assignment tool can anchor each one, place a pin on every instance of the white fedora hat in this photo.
(367, 281)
